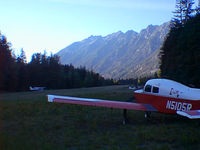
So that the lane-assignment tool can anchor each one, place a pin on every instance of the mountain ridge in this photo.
(118, 55)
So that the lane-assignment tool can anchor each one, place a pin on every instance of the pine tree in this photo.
(22, 57)
(188, 10)
(197, 10)
(183, 12)
(22, 72)
(6, 65)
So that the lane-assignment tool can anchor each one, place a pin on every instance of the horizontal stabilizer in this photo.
(192, 114)
(100, 103)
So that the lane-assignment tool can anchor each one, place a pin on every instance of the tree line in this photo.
(180, 53)
(43, 70)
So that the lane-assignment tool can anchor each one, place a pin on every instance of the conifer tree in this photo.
(6, 64)
(182, 12)
(197, 10)
(22, 72)
(22, 57)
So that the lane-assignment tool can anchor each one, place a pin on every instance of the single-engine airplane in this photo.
(36, 88)
(158, 95)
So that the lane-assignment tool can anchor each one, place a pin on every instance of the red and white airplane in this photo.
(158, 95)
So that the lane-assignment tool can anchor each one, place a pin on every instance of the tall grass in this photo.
(29, 122)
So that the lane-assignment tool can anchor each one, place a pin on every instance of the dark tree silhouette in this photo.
(7, 72)
(180, 53)
(182, 12)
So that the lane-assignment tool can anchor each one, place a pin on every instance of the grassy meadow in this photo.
(29, 122)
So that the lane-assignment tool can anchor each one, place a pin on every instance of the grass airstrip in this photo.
(29, 122)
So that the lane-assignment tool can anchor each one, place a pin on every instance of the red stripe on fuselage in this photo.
(167, 104)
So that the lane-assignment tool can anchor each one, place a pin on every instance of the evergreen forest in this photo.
(46, 71)
(180, 53)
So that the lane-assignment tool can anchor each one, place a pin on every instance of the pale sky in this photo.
(38, 25)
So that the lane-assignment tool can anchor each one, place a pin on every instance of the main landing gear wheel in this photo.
(147, 115)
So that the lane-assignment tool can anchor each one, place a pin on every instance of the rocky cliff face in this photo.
(118, 55)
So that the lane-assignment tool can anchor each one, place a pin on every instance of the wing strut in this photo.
(125, 118)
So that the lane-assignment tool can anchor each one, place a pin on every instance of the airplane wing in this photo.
(100, 103)
(192, 114)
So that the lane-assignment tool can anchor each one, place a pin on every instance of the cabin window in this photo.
(155, 89)
(147, 88)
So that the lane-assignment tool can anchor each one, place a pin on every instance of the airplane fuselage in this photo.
(168, 96)
(167, 104)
